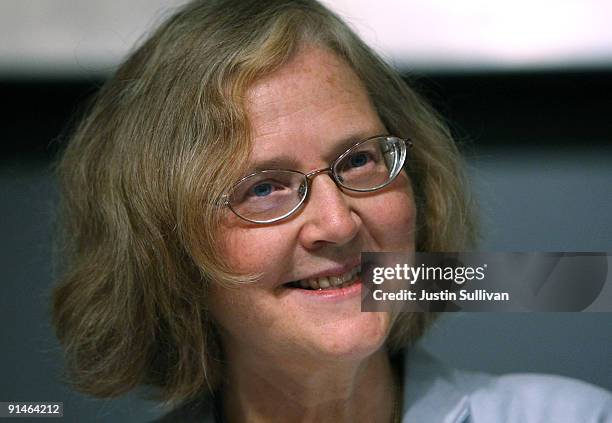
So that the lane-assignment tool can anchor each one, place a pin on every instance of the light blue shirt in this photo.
(435, 393)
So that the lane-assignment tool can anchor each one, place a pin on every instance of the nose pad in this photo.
(311, 178)
(302, 189)
(330, 174)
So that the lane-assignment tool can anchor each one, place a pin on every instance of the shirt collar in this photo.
(431, 393)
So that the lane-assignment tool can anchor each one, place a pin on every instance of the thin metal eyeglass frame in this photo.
(407, 144)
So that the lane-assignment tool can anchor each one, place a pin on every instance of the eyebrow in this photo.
(291, 162)
(278, 162)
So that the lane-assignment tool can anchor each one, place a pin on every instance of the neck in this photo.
(326, 391)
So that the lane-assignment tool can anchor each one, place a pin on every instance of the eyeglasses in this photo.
(268, 196)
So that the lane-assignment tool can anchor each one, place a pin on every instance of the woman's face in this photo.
(303, 116)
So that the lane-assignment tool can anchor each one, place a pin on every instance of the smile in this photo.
(328, 282)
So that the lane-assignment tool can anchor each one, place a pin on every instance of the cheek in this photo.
(391, 218)
(252, 249)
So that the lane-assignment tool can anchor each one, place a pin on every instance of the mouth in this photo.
(327, 283)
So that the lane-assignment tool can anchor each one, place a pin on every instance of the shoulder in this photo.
(436, 390)
(538, 398)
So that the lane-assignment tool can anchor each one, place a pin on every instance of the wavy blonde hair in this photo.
(141, 172)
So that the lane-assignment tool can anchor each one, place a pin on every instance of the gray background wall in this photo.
(543, 181)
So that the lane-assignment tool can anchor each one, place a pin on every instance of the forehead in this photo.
(307, 107)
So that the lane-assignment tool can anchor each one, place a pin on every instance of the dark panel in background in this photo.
(524, 108)
(35, 113)
(490, 110)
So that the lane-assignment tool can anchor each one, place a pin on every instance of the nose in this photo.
(328, 217)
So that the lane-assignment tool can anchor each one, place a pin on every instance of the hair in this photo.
(141, 173)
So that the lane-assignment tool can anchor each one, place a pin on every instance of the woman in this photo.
(216, 200)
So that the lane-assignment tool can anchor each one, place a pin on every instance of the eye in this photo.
(359, 159)
(261, 190)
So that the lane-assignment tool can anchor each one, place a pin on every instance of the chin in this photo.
(355, 339)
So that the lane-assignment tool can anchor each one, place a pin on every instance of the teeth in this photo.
(323, 283)
(331, 281)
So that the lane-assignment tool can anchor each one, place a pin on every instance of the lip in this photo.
(330, 295)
